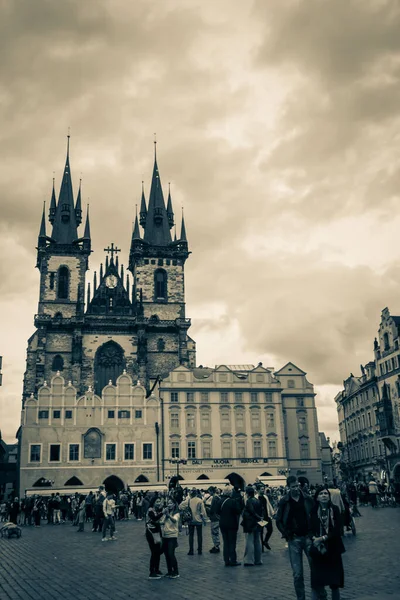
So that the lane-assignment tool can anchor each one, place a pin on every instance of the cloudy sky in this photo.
(278, 127)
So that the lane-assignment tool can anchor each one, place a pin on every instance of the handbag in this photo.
(316, 551)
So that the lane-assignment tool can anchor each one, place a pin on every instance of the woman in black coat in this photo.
(327, 549)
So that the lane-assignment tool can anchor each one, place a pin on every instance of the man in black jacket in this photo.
(229, 510)
(293, 521)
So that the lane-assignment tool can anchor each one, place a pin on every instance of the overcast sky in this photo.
(278, 127)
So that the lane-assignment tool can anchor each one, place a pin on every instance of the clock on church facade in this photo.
(111, 390)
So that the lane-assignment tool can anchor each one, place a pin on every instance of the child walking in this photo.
(170, 530)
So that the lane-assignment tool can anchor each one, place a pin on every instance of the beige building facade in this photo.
(111, 389)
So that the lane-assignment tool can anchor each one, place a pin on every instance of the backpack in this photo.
(186, 515)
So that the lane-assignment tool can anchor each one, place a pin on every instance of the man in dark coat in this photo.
(229, 511)
(293, 521)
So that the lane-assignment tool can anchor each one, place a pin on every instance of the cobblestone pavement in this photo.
(57, 563)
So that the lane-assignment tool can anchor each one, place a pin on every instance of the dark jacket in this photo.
(282, 516)
(215, 504)
(229, 511)
(251, 515)
(327, 569)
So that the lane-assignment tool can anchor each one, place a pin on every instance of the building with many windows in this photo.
(369, 411)
(111, 389)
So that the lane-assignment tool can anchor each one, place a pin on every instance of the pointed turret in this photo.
(53, 205)
(170, 212)
(157, 227)
(136, 231)
(143, 209)
(42, 231)
(183, 237)
(86, 235)
(78, 206)
(65, 226)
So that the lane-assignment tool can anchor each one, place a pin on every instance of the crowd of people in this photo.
(311, 519)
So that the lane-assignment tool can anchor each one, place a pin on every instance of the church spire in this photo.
(157, 226)
(78, 206)
(136, 231)
(143, 209)
(170, 212)
(53, 205)
(183, 237)
(42, 232)
(86, 234)
(65, 226)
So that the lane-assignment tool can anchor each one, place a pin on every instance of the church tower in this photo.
(62, 259)
(93, 334)
(157, 264)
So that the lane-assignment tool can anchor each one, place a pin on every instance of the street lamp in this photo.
(177, 462)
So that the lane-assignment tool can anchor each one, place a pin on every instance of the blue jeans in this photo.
(297, 546)
(252, 553)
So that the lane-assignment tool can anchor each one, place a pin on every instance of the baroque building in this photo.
(369, 410)
(111, 390)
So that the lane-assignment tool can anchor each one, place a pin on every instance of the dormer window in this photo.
(160, 284)
(65, 213)
(63, 283)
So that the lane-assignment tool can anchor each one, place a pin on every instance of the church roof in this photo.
(65, 225)
(156, 231)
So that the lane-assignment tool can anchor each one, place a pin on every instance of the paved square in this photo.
(57, 563)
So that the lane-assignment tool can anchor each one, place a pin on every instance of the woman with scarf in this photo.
(327, 547)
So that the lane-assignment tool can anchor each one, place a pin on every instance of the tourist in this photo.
(170, 531)
(267, 515)
(293, 521)
(153, 536)
(229, 511)
(252, 515)
(196, 506)
(373, 493)
(81, 514)
(327, 547)
(14, 511)
(214, 517)
(109, 517)
(37, 509)
(57, 509)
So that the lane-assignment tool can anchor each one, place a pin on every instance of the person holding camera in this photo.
(327, 546)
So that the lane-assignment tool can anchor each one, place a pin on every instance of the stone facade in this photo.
(88, 439)
(369, 410)
(243, 422)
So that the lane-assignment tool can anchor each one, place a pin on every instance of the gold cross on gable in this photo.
(112, 250)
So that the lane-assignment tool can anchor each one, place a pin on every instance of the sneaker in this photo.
(190, 553)
(113, 537)
(105, 539)
(154, 576)
(214, 550)
(236, 564)
(167, 575)
(159, 573)
(174, 576)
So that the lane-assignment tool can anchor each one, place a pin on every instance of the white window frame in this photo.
(177, 442)
(57, 462)
(35, 462)
(110, 460)
(171, 424)
(193, 447)
(203, 443)
(223, 450)
(152, 451)
(134, 452)
(259, 443)
(80, 452)
(243, 445)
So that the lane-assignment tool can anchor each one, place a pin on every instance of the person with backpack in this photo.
(98, 514)
(198, 513)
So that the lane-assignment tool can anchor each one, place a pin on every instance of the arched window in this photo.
(58, 363)
(160, 284)
(109, 364)
(63, 282)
